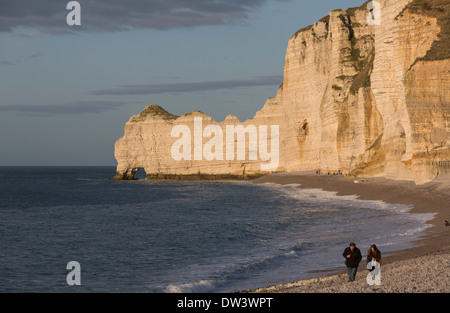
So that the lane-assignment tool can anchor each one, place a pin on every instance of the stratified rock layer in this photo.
(365, 100)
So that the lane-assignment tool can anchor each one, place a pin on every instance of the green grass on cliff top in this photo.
(440, 9)
(154, 110)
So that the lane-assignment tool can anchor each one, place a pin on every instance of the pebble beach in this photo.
(424, 268)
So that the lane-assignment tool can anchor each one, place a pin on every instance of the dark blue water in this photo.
(172, 236)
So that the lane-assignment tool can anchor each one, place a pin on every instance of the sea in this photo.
(158, 236)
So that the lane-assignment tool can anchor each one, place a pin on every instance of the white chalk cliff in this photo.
(357, 97)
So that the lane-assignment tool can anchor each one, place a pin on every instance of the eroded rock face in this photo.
(366, 100)
(152, 141)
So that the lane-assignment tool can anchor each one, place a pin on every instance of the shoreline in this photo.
(427, 257)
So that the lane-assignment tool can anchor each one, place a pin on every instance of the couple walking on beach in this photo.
(353, 256)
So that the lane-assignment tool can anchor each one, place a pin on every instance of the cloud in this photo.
(49, 16)
(36, 55)
(9, 63)
(80, 107)
(16, 62)
(189, 87)
(98, 106)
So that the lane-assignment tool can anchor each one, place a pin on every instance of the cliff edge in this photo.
(366, 94)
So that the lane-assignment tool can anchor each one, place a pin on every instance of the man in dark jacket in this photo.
(352, 257)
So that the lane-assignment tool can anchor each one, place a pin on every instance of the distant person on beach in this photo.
(374, 254)
(352, 257)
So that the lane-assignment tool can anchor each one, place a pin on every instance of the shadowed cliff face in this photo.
(363, 98)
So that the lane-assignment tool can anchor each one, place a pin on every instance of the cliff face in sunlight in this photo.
(364, 98)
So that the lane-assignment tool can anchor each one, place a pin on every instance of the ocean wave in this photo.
(322, 199)
(200, 286)
(226, 272)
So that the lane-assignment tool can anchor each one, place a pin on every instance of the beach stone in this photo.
(426, 274)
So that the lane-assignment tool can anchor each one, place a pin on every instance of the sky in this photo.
(66, 91)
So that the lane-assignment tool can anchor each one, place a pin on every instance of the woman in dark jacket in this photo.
(374, 254)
